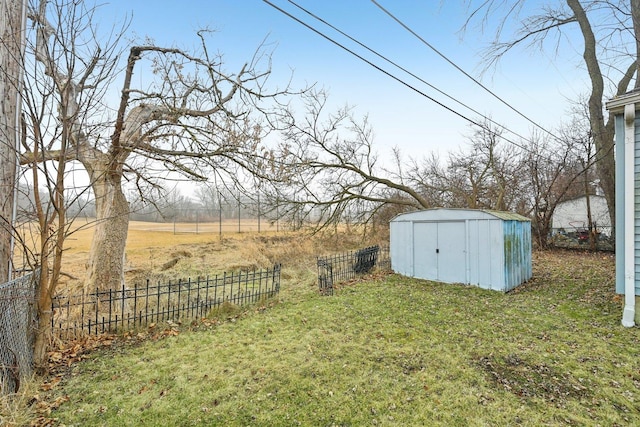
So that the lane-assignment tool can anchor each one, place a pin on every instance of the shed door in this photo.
(425, 244)
(439, 251)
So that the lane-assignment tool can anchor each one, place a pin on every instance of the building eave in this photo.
(616, 105)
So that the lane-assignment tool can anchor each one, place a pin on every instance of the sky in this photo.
(535, 84)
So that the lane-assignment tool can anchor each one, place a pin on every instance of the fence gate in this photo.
(18, 323)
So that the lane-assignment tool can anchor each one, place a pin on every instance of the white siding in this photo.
(636, 198)
(572, 214)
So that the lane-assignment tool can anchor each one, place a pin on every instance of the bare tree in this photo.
(44, 223)
(48, 201)
(610, 54)
(551, 179)
(222, 199)
(326, 166)
(578, 136)
(486, 176)
(209, 197)
(11, 36)
(325, 163)
(53, 228)
(326, 169)
(192, 120)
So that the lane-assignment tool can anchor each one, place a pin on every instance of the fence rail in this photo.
(125, 309)
(334, 269)
(17, 326)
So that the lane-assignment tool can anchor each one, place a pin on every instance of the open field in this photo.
(386, 350)
(152, 247)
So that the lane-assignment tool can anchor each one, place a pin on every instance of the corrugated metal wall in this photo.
(401, 247)
(481, 250)
(485, 255)
(517, 253)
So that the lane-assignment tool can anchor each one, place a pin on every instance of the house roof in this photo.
(618, 103)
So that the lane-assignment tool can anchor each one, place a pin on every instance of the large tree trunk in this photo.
(603, 133)
(105, 268)
(606, 165)
(542, 229)
(10, 75)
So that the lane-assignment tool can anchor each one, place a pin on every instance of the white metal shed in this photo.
(489, 249)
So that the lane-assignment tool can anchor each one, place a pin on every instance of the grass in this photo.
(157, 254)
(18, 409)
(387, 350)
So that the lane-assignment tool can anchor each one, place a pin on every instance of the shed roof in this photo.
(508, 216)
(458, 214)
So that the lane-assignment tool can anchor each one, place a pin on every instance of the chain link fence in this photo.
(18, 322)
(226, 218)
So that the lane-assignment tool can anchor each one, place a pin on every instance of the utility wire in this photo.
(443, 56)
(399, 80)
(592, 160)
(373, 65)
(405, 70)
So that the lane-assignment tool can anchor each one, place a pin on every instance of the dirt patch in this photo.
(528, 380)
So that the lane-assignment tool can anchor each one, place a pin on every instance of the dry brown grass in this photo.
(154, 252)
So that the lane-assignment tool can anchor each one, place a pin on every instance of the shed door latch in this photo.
(437, 251)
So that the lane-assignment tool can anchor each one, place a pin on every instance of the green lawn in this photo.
(384, 351)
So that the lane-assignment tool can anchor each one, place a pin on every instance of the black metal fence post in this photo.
(346, 266)
(72, 315)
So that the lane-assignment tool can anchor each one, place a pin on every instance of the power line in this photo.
(399, 80)
(372, 64)
(482, 126)
(443, 56)
(405, 70)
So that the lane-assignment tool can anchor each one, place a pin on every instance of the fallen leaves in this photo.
(44, 408)
(73, 351)
(51, 383)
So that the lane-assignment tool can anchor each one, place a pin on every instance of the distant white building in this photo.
(571, 215)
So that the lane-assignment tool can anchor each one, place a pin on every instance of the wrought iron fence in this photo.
(125, 309)
(334, 269)
(18, 323)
